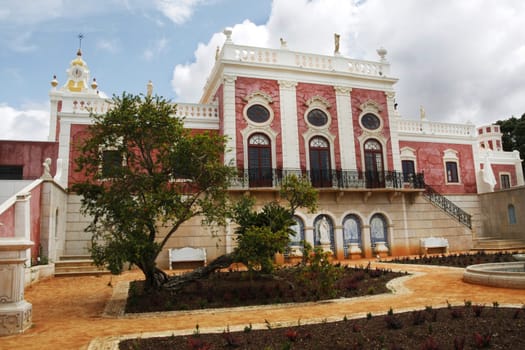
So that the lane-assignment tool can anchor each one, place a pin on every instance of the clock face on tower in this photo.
(76, 72)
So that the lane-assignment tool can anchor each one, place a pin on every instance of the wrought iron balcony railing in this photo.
(449, 207)
(323, 178)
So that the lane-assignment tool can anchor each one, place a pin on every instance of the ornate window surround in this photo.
(249, 132)
(371, 107)
(450, 155)
(309, 135)
(258, 98)
(321, 103)
(365, 136)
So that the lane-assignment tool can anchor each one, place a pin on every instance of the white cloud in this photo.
(31, 123)
(157, 48)
(178, 11)
(462, 60)
(108, 45)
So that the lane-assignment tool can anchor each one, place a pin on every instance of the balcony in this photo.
(327, 179)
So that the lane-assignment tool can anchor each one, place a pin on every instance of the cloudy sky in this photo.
(462, 60)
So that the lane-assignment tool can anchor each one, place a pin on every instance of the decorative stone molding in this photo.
(287, 84)
(318, 100)
(15, 312)
(229, 79)
(342, 90)
(258, 94)
(370, 106)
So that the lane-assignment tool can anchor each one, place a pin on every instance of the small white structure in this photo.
(187, 254)
(433, 243)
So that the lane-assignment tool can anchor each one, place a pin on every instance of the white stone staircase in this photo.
(77, 265)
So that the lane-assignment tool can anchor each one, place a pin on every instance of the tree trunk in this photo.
(177, 282)
(155, 278)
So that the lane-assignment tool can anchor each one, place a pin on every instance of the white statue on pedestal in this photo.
(324, 231)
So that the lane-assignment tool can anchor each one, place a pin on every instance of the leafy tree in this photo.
(513, 138)
(164, 175)
(260, 235)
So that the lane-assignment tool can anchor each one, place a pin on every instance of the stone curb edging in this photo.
(115, 308)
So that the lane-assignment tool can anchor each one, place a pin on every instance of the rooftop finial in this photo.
(80, 37)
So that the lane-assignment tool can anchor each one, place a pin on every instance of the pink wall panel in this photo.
(7, 218)
(304, 93)
(78, 133)
(30, 155)
(244, 87)
(358, 97)
(504, 168)
(35, 204)
(430, 161)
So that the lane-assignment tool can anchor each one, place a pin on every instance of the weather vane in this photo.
(80, 37)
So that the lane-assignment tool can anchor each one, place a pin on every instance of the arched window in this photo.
(351, 231)
(324, 231)
(320, 169)
(512, 214)
(378, 229)
(374, 169)
(260, 161)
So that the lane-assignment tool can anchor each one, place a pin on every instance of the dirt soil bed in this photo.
(464, 327)
(288, 285)
(456, 259)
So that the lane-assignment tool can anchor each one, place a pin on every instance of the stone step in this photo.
(498, 244)
(79, 267)
(74, 257)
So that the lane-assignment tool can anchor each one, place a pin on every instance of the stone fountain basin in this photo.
(504, 275)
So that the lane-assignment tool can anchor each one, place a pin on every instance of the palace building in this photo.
(386, 184)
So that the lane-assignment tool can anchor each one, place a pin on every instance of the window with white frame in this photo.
(504, 180)
(451, 163)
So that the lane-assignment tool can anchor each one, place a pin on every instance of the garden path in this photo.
(67, 312)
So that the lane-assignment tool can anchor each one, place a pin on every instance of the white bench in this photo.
(186, 254)
(433, 243)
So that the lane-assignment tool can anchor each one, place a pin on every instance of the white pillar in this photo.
(394, 136)
(345, 127)
(289, 128)
(15, 312)
(229, 120)
(339, 242)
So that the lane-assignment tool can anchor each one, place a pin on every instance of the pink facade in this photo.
(35, 205)
(30, 155)
(243, 88)
(499, 169)
(359, 97)
(430, 160)
(304, 93)
(78, 133)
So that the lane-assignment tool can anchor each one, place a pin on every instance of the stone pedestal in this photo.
(354, 251)
(15, 312)
(381, 249)
(326, 248)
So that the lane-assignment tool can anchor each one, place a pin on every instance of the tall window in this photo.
(408, 170)
(260, 161)
(512, 214)
(505, 181)
(111, 163)
(452, 172)
(320, 169)
(374, 171)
